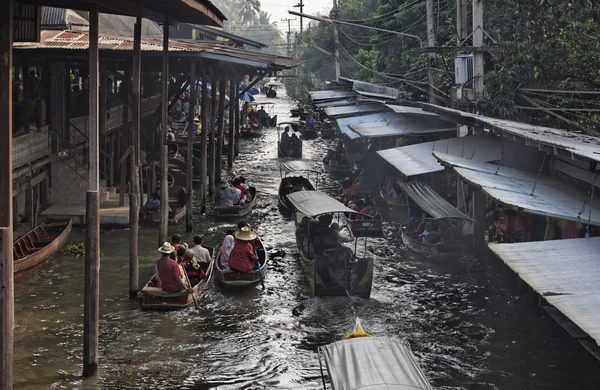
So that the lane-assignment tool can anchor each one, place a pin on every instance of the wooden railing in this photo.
(30, 147)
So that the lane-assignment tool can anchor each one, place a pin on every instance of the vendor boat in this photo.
(238, 211)
(291, 182)
(290, 146)
(234, 279)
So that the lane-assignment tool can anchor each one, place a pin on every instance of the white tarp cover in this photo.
(569, 268)
(295, 166)
(381, 117)
(417, 159)
(430, 201)
(331, 95)
(358, 109)
(378, 363)
(403, 125)
(515, 188)
(314, 203)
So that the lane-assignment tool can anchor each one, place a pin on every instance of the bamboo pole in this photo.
(204, 138)
(164, 173)
(189, 224)
(220, 128)
(232, 96)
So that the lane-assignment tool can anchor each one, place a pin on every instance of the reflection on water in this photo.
(466, 323)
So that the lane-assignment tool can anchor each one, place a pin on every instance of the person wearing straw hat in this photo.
(227, 195)
(197, 128)
(242, 257)
(168, 271)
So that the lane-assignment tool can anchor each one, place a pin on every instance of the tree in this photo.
(248, 11)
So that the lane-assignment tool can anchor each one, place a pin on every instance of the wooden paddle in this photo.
(190, 284)
(262, 281)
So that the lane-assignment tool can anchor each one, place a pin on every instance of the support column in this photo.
(189, 160)
(6, 254)
(337, 44)
(164, 150)
(124, 136)
(91, 312)
(478, 199)
(221, 128)
(237, 117)
(213, 131)
(232, 96)
(134, 193)
(203, 138)
(102, 102)
(478, 57)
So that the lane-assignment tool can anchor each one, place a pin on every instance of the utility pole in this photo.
(337, 43)
(289, 33)
(478, 56)
(461, 21)
(301, 6)
(431, 55)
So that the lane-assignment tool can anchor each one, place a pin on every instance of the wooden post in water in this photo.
(220, 128)
(231, 122)
(91, 304)
(6, 254)
(478, 200)
(237, 117)
(124, 135)
(134, 182)
(213, 131)
(189, 160)
(204, 137)
(164, 150)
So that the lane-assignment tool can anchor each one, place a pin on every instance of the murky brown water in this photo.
(466, 321)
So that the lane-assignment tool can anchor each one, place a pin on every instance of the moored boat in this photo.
(237, 211)
(177, 203)
(294, 183)
(40, 243)
(332, 269)
(245, 279)
(153, 297)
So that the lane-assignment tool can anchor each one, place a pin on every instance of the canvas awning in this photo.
(331, 95)
(417, 159)
(565, 272)
(315, 203)
(402, 125)
(344, 123)
(526, 191)
(373, 363)
(431, 202)
(296, 166)
(355, 110)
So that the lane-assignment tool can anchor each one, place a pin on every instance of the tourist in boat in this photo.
(197, 127)
(303, 232)
(227, 195)
(192, 266)
(337, 234)
(295, 143)
(243, 257)
(225, 250)
(176, 241)
(154, 204)
(243, 224)
(243, 183)
(310, 121)
(201, 254)
(369, 209)
(262, 116)
(285, 136)
(168, 271)
(238, 184)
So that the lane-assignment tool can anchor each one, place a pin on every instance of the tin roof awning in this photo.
(565, 272)
(526, 191)
(373, 363)
(413, 160)
(296, 166)
(402, 125)
(230, 36)
(315, 203)
(410, 110)
(331, 95)
(374, 90)
(358, 109)
(430, 201)
(344, 123)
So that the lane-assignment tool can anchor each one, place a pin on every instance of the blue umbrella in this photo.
(251, 91)
(208, 88)
(246, 97)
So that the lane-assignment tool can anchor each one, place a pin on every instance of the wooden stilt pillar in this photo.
(232, 96)
(237, 117)
(478, 200)
(134, 193)
(204, 138)
(91, 312)
(189, 161)
(6, 211)
(213, 131)
(164, 173)
(124, 136)
(220, 128)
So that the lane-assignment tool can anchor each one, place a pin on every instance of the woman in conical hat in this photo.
(242, 257)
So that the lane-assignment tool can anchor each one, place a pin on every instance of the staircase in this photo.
(70, 181)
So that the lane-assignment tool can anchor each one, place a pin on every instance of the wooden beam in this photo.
(164, 150)
(204, 137)
(189, 160)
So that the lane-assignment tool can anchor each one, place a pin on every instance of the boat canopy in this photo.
(296, 166)
(315, 203)
(431, 202)
(379, 363)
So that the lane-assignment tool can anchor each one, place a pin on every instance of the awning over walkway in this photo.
(358, 109)
(344, 123)
(430, 201)
(417, 159)
(565, 272)
(525, 191)
(403, 125)
(331, 95)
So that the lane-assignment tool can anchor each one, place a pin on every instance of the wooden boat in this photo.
(337, 271)
(328, 130)
(289, 185)
(366, 227)
(436, 251)
(308, 133)
(177, 203)
(40, 243)
(245, 279)
(237, 211)
(154, 298)
(286, 149)
(251, 132)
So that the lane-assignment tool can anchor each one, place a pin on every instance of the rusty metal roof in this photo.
(78, 40)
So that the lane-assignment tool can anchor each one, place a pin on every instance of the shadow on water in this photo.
(466, 323)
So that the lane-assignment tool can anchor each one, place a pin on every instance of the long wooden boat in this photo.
(286, 151)
(237, 211)
(366, 227)
(288, 185)
(177, 203)
(436, 251)
(153, 297)
(245, 279)
(40, 243)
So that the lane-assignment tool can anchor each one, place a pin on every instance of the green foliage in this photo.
(76, 250)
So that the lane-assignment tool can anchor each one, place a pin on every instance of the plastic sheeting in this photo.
(565, 272)
(358, 109)
(430, 201)
(417, 159)
(344, 123)
(331, 95)
(378, 363)
(523, 190)
(314, 203)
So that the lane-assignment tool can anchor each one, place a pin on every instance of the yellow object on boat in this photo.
(357, 331)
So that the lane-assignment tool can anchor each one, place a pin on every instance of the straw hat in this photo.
(224, 183)
(245, 234)
(196, 120)
(166, 248)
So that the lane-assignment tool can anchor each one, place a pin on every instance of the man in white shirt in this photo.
(201, 254)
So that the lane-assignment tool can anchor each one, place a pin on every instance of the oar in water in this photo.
(262, 281)
(190, 284)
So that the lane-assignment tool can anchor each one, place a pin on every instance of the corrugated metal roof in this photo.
(569, 268)
(336, 103)
(359, 109)
(515, 188)
(344, 123)
(373, 363)
(410, 110)
(331, 95)
(577, 143)
(403, 125)
(375, 90)
(413, 160)
(78, 40)
(314, 203)
(430, 201)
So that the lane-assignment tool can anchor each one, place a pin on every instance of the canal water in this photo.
(466, 321)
